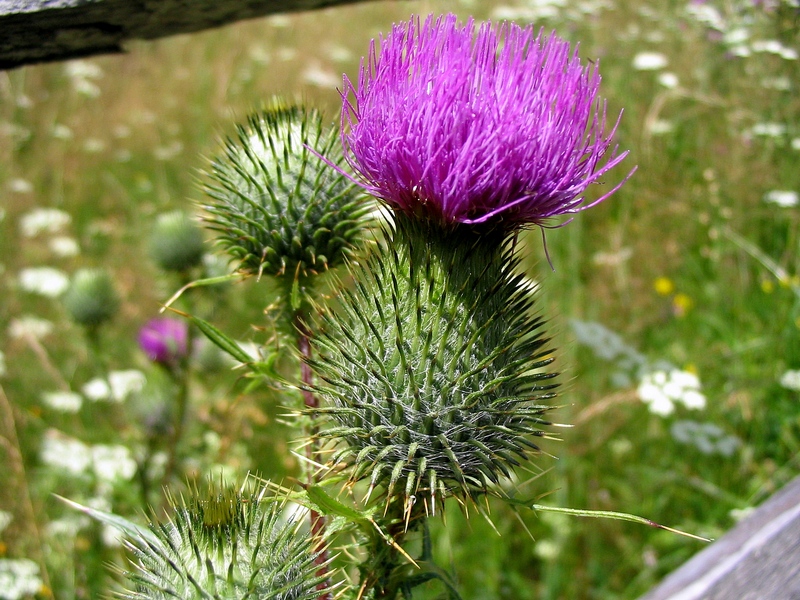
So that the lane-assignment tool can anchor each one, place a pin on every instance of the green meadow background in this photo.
(690, 270)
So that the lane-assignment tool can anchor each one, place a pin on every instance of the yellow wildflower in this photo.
(663, 286)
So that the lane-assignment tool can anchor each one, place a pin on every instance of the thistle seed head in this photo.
(277, 207)
(432, 370)
(224, 544)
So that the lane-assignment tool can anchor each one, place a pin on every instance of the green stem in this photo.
(311, 402)
(180, 374)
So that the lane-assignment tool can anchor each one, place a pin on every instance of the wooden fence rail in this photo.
(34, 31)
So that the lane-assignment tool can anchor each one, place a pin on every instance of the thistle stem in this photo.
(311, 401)
(180, 374)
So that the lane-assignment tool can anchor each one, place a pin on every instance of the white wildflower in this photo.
(64, 453)
(62, 132)
(5, 520)
(30, 326)
(67, 402)
(124, 383)
(113, 462)
(19, 578)
(791, 380)
(64, 246)
(649, 61)
(97, 389)
(668, 79)
(662, 390)
(706, 14)
(737, 36)
(660, 127)
(83, 69)
(20, 186)
(117, 388)
(769, 129)
(86, 88)
(45, 281)
(782, 198)
(43, 220)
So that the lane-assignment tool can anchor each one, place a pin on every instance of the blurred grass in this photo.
(123, 141)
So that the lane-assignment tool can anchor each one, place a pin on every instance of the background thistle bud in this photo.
(224, 544)
(432, 368)
(91, 298)
(165, 340)
(177, 242)
(276, 206)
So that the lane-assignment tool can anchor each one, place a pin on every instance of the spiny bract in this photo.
(432, 368)
(224, 545)
(277, 207)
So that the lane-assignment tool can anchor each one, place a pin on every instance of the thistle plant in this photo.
(430, 376)
(433, 369)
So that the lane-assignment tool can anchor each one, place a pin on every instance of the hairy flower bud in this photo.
(278, 207)
(91, 299)
(176, 243)
(224, 544)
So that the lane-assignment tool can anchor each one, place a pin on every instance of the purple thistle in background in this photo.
(165, 340)
(464, 128)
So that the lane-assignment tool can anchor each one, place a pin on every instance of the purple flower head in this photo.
(164, 340)
(465, 127)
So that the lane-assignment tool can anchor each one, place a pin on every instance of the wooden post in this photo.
(34, 31)
(759, 559)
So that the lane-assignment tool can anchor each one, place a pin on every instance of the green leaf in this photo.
(608, 514)
(121, 524)
(220, 339)
(330, 506)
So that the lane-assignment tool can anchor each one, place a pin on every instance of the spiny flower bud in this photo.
(224, 544)
(91, 298)
(277, 207)
(177, 242)
(432, 369)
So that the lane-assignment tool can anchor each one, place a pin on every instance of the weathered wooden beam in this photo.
(759, 559)
(45, 30)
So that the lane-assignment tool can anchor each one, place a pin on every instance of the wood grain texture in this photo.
(34, 31)
(759, 559)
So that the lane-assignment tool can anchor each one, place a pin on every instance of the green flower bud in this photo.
(91, 298)
(224, 544)
(276, 206)
(432, 369)
(176, 243)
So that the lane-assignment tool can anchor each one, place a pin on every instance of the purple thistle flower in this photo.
(465, 128)
(164, 340)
